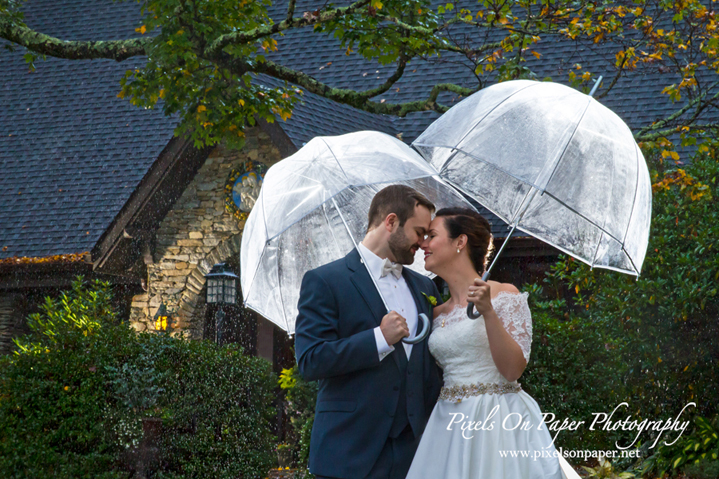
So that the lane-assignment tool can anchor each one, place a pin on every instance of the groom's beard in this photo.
(400, 247)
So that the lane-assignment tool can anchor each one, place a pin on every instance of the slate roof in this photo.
(637, 99)
(72, 152)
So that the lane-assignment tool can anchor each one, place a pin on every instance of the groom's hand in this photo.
(394, 327)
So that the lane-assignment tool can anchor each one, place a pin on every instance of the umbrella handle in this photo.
(470, 312)
(470, 306)
(422, 334)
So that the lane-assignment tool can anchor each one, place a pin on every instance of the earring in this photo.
(457, 250)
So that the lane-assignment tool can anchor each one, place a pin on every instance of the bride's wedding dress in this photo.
(483, 426)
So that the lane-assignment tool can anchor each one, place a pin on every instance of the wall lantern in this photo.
(221, 285)
(221, 290)
(163, 319)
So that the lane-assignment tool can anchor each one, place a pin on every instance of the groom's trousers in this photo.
(395, 458)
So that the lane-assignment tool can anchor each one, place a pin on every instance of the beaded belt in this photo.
(457, 392)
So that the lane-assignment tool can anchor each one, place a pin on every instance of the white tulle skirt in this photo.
(504, 444)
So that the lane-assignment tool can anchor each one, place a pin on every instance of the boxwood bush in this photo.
(74, 395)
(601, 338)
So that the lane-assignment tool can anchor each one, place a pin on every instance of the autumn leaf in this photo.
(142, 29)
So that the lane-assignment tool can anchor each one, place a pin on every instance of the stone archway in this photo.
(202, 228)
(191, 305)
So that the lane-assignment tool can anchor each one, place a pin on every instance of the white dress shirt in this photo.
(399, 298)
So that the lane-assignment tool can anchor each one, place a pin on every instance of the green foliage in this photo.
(214, 101)
(370, 34)
(73, 398)
(703, 470)
(203, 57)
(11, 9)
(301, 398)
(602, 338)
(696, 453)
(573, 371)
(606, 471)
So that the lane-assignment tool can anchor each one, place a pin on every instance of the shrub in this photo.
(703, 470)
(73, 398)
(696, 453)
(606, 337)
(301, 397)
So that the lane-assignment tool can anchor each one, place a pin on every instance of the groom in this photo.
(375, 392)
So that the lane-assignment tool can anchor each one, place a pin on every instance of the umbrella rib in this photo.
(496, 167)
(636, 191)
(566, 251)
(336, 159)
(337, 193)
(261, 198)
(499, 215)
(564, 150)
(634, 203)
(469, 130)
(629, 257)
(631, 214)
(279, 289)
(329, 225)
(592, 222)
(596, 250)
(254, 276)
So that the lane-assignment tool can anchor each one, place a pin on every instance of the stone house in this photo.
(92, 185)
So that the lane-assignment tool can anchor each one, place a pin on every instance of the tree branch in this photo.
(661, 123)
(356, 99)
(235, 38)
(662, 133)
(290, 12)
(118, 50)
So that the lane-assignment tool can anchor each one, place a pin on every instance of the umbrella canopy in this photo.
(552, 162)
(312, 209)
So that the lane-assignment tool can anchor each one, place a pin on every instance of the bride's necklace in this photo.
(446, 314)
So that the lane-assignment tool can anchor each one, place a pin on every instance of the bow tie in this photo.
(390, 267)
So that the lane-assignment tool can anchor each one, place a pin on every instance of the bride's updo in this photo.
(459, 221)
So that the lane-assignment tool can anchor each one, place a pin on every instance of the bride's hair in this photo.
(459, 221)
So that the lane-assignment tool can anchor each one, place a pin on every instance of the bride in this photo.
(484, 425)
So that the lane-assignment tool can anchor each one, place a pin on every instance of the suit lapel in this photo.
(363, 282)
(420, 301)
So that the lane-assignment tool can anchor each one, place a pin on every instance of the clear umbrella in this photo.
(312, 209)
(551, 162)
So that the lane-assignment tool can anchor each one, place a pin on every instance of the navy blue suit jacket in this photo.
(339, 308)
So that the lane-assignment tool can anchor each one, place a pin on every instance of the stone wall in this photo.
(198, 232)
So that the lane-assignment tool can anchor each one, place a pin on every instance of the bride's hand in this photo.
(479, 294)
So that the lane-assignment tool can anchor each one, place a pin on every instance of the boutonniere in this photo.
(432, 300)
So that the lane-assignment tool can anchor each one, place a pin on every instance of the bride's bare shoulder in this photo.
(497, 288)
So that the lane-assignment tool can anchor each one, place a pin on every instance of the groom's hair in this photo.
(398, 199)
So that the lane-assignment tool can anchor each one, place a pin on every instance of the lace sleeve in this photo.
(513, 310)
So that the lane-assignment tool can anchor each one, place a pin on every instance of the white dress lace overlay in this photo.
(446, 451)
(512, 309)
(461, 346)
